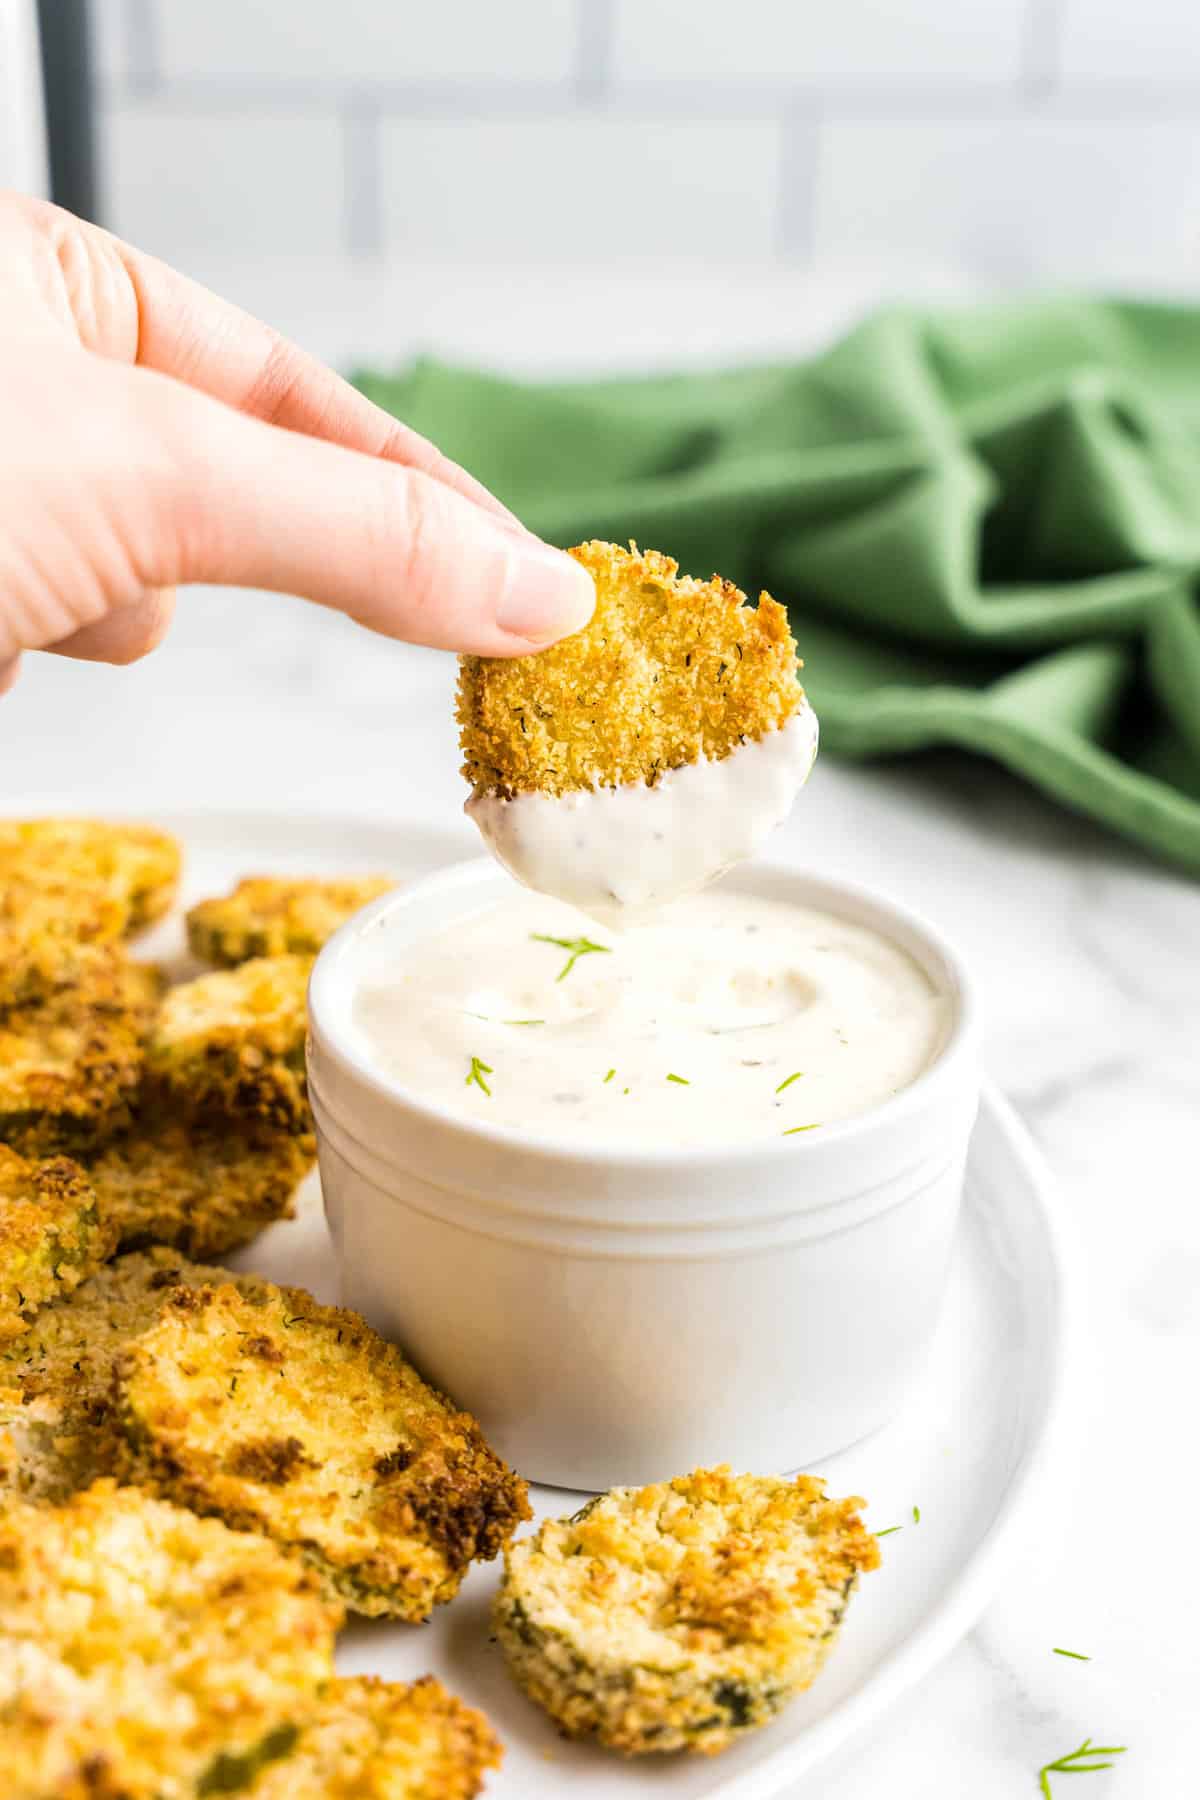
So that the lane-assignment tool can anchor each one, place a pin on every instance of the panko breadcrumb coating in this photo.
(680, 1616)
(377, 1740)
(52, 1235)
(295, 1419)
(269, 916)
(70, 1064)
(232, 1043)
(204, 1186)
(147, 1654)
(60, 1372)
(667, 671)
(47, 927)
(134, 867)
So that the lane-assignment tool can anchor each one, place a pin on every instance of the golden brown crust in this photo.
(376, 1740)
(232, 1043)
(47, 927)
(134, 867)
(270, 916)
(70, 1064)
(681, 1615)
(667, 671)
(297, 1420)
(147, 1654)
(52, 1235)
(205, 1187)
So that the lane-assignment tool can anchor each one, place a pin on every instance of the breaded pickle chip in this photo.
(265, 916)
(233, 1043)
(52, 1235)
(133, 868)
(47, 927)
(65, 1360)
(147, 1654)
(70, 1064)
(45, 1456)
(681, 1615)
(377, 1740)
(204, 1186)
(667, 671)
(297, 1420)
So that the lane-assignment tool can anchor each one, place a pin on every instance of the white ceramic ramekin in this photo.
(618, 1315)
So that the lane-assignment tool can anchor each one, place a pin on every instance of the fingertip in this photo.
(8, 673)
(547, 596)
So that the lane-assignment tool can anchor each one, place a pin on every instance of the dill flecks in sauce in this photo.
(710, 1013)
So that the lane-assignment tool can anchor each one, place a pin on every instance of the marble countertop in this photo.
(1086, 956)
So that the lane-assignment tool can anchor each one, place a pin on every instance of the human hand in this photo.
(151, 434)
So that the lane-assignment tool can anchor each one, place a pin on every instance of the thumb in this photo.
(394, 548)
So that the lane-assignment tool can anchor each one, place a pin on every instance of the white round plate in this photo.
(969, 1450)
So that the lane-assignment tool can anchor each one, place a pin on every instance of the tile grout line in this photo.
(362, 196)
(143, 46)
(799, 171)
(595, 42)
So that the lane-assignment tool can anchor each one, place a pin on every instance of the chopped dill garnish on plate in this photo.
(793, 1129)
(524, 1021)
(1073, 1763)
(916, 1515)
(478, 1070)
(787, 1082)
(575, 947)
(681, 1079)
(888, 1530)
(1077, 1655)
(610, 1075)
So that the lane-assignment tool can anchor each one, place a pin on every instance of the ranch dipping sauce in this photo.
(621, 853)
(727, 1018)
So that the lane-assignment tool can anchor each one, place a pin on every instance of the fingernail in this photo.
(547, 596)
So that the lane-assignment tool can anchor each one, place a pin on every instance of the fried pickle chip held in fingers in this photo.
(232, 1043)
(377, 1740)
(681, 1615)
(149, 1654)
(205, 1186)
(669, 670)
(70, 1064)
(52, 1235)
(272, 916)
(297, 1420)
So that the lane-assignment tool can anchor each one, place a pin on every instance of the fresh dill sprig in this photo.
(610, 1075)
(1077, 1655)
(1073, 1764)
(681, 1079)
(789, 1080)
(576, 947)
(793, 1129)
(888, 1530)
(478, 1071)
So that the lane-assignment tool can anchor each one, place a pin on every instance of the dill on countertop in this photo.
(1077, 1655)
(576, 947)
(478, 1070)
(789, 1080)
(1072, 1763)
(681, 1079)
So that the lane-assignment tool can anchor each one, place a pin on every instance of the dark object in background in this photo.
(70, 113)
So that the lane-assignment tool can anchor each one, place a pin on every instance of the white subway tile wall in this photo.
(1015, 138)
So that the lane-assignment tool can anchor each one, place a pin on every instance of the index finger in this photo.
(127, 305)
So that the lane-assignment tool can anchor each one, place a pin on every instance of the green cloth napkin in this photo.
(985, 525)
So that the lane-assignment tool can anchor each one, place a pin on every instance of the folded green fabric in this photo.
(985, 525)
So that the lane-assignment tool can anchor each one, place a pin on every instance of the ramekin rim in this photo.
(955, 1051)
